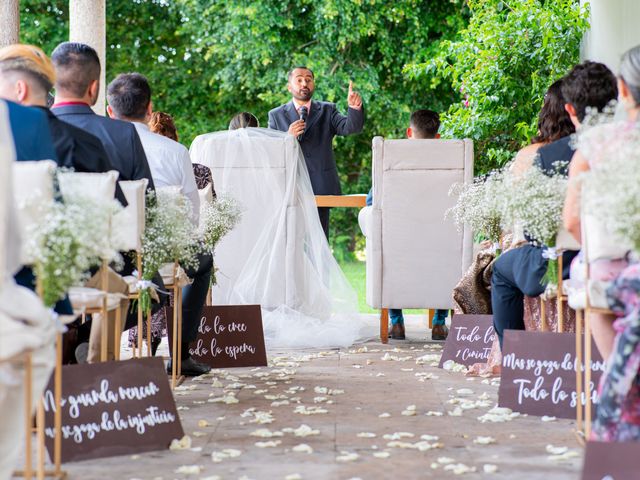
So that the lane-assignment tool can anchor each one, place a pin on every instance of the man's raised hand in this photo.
(354, 99)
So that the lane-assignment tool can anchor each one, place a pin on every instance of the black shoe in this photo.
(190, 368)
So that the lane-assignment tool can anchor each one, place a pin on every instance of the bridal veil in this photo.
(278, 256)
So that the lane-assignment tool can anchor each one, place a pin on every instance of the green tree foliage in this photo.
(501, 65)
(208, 60)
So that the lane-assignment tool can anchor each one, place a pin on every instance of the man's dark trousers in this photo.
(194, 297)
(517, 273)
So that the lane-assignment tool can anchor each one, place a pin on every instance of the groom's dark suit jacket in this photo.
(323, 123)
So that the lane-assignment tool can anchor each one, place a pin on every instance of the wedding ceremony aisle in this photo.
(370, 412)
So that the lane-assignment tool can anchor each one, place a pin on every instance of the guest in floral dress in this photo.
(618, 412)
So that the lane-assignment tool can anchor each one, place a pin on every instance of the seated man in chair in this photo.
(423, 124)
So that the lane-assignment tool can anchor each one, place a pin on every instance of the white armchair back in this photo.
(33, 195)
(237, 172)
(128, 223)
(415, 256)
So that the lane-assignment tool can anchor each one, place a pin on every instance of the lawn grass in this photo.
(356, 273)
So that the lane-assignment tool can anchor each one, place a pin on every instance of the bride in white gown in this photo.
(278, 256)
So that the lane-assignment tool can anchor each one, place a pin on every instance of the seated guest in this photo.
(26, 77)
(243, 120)
(422, 124)
(77, 70)
(520, 271)
(163, 124)
(129, 97)
(553, 124)
(591, 151)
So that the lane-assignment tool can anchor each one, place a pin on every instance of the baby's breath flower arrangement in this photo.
(218, 218)
(478, 207)
(73, 237)
(169, 237)
(534, 199)
(613, 181)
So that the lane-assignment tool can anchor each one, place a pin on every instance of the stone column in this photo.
(613, 31)
(87, 24)
(9, 22)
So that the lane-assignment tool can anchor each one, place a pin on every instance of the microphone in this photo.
(304, 112)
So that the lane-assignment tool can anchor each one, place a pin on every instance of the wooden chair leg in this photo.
(28, 381)
(117, 330)
(384, 325)
(179, 310)
(560, 302)
(543, 315)
(139, 348)
(430, 314)
(579, 407)
(587, 373)
(174, 342)
(41, 449)
(149, 352)
(57, 416)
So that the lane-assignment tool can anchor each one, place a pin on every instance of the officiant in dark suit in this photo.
(315, 124)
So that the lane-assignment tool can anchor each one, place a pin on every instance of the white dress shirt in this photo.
(170, 165)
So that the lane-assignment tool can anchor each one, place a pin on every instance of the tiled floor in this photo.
(368, 380)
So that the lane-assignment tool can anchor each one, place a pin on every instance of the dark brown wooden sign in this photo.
(470, 339)
(230, 336)
(539, 373)
(113, 408)
(611, 461)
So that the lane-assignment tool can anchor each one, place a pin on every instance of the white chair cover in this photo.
(99, 186)
(128, 223)
(415, 256)
(33, 195)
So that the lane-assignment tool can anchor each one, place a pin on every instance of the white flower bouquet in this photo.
(479, 207)
(73, 237)
(217, 219)
(169, 237)
(614, 180)
(534, 199)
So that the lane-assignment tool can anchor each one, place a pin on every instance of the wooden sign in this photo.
(470, 339)
(539, 373)
(113, 408)
(230, 336)
(611, 461)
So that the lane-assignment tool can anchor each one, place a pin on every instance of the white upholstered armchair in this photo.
(415, 256)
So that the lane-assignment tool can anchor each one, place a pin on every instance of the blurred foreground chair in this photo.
(27, 332)
(587, 296)
(128, 226)
(98, 302)
(415, 257)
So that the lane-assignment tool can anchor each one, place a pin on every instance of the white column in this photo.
(87, 24)
(614, 30)
(9, 22)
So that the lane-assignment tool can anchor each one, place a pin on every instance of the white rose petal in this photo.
(384, 415)
(268, 444)
(382, 454)
(347, 457)
(183, 444)
(366, 435)
(545, 418)
(489, 468)
(302, 448)
(484, 440)
(188, 469)
(556, 450)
